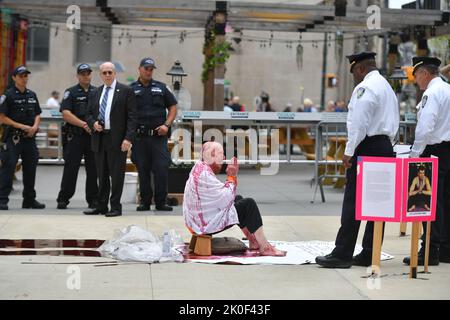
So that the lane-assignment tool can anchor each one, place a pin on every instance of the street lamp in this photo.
(397, 76)
(181, 94)
(177, 74)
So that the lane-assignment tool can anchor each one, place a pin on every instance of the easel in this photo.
(415, 235)
(376, 247)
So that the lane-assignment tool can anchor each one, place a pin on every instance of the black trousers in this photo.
(27, 150)
(77, 148)
(248, 214)
(440, 227)
(376, 146)
(151, 155)
(111, 165)
(445, 229)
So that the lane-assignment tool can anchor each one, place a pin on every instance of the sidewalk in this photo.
(287, 215)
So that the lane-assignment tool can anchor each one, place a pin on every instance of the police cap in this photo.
(20, 70)
(147, 62)
(355, 58)
(424, 61)
(84, 67)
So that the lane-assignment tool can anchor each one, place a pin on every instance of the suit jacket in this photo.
(123, 119)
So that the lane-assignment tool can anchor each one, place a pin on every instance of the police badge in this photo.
(360, 92)
(424, 101)
(66, 95)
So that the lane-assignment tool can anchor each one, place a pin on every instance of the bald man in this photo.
(211, 206)
(112, 119)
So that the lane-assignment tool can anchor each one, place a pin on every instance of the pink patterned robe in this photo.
(208, 203)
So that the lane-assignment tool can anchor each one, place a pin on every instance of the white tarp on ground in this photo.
(302, 252)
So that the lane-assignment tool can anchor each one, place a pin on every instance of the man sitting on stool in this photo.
(210, 206)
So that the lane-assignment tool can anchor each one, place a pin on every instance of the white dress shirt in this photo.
(433, 118)
(108, 102)
(373, 110)
(52, 103)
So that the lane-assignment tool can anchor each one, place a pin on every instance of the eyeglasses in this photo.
(107, 73)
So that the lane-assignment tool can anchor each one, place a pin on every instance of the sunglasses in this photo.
(107, 73)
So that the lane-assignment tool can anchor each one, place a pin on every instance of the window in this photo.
(93, 44)
(38, 44)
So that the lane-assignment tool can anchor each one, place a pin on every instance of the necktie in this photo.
(103, 104)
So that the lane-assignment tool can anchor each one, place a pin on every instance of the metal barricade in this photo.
(331, 138)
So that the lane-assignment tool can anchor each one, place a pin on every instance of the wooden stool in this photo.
(200, 244)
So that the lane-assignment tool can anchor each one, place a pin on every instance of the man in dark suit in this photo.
(112, 119)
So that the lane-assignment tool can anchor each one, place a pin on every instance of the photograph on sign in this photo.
(419, 194)
(420, 189)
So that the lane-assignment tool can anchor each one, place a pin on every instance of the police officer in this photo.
(432, 137)
(20, 116)
(77, 140)
(372, 123)
(149, 151)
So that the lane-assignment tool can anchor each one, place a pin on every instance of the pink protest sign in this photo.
(396, 189)
(377, 194)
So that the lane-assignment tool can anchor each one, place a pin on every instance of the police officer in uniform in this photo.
(432, 137)
(149, 152)
(77, 140)
(372, 123)
(20, 116)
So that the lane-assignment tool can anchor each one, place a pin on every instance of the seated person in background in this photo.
(288, 107)
(235, 104)
(330, 106)
(420, 191)
(308, 106)
(340, 106)
(210, 206)
(226, 105)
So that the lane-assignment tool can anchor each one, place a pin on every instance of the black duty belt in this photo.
(144, 131)
(379, 137)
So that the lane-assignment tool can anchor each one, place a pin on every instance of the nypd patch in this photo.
(2, 99)
(424, 101)
(66, 95)
(360, 92)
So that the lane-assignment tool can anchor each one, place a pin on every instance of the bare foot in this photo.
(253, 245)
(272, 251)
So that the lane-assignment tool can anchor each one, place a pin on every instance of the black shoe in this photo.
(3, 206)
(113, 213)
(433, 259)
(95, 211)
(330, 261)
(33, 205)
(444, 255)
(362, 259)
(92, 205)
(62, 204)
(143, 207)
(164, 207)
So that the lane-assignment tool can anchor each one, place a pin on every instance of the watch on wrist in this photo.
(167, 124)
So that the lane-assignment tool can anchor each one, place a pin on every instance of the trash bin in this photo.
(130, 188)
